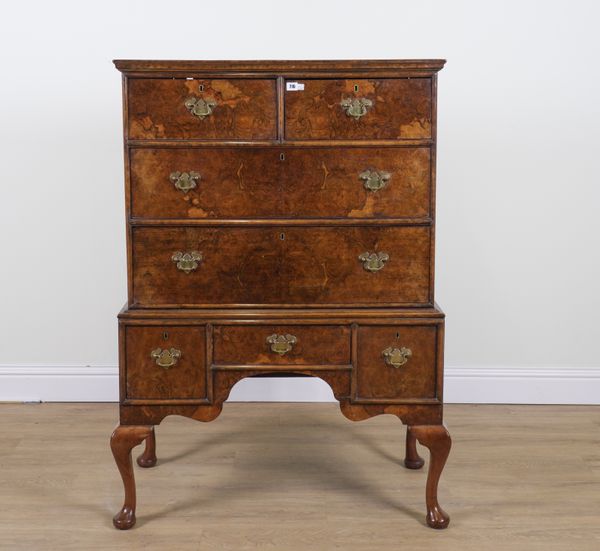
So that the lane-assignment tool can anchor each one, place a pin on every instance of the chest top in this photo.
(280, 183)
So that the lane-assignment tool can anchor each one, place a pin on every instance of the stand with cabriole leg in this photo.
(123, 439)
(437, 439)
(412, 459)
(148, 458)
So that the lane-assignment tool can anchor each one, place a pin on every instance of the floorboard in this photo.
(301, 476)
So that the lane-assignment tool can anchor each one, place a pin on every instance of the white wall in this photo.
(518, 261)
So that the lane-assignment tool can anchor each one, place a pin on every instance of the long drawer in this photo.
(231, 266)
(233, 183)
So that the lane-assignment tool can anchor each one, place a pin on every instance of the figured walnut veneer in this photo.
(280, 222)
(253, 183)
(281, 265)
(401, 109)
(245, 109)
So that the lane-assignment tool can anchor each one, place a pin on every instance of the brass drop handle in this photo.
(184, 181)
(396, 357)
(373, 262)
(200, 107)
(187, 262)
(281, 344)
(166, 358)
(356, 107)
(375, 180)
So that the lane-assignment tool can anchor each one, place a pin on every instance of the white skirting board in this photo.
(482, 385)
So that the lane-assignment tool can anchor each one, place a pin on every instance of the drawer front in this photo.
(202, 109)
(281, 265)
(397, 362)
(165, 363)
(281, 182)
(293, 345)
(355, 109)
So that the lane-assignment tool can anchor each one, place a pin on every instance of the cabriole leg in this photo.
(123, 439)
(148, 458)
(437, 439)
(412, 460)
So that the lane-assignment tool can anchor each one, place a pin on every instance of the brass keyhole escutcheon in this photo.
(200, 107)
(282, 156)
(186, 261)
(201, 87)
(356, 107)
(356, 87)
(281, 344)
(166, 358)
(165, 336)
(375, 180)
(396, 357)
(282, 236)
(184, 181)
(373, 262)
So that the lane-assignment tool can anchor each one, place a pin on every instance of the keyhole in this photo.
(201, 87)
(282, 236)
(165, 336)
(282, 156)
(356, 87)
(397, 335)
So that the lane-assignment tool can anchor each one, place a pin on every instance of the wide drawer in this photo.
(280, 182)
(165, 363)
(398, 362)
(294, 345)
(355, 109)
(197, 266)
(203, 109)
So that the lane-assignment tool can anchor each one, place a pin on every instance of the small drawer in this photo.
(294, 345)
(234, 183)
(357, 109)
(202, 109)
(397, 362)
(165, 363)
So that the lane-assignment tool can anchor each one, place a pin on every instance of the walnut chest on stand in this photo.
(280, 220)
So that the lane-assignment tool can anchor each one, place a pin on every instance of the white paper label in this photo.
(294, 86)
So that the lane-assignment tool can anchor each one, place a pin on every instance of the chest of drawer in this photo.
(281, 345)
(231, 183)
(281, 266)
(202, 109)
(280, 222)
(355, 109)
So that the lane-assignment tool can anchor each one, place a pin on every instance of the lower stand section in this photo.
(435, 437)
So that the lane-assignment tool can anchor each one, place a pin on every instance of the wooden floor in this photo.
(301, 476)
